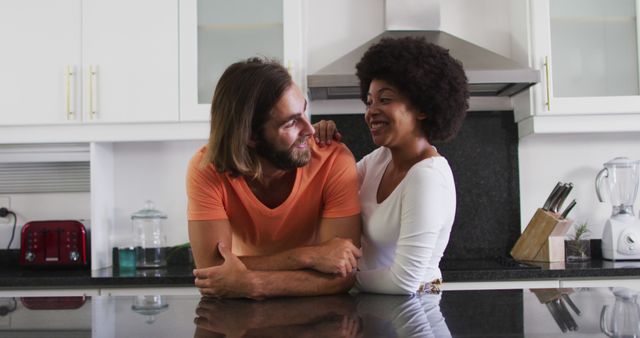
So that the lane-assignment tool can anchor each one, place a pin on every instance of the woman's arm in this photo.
(424, 213)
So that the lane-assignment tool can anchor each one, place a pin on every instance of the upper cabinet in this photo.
(588, 52)
(217, 33)
(41, 55)
(130, 60)
(70, 61)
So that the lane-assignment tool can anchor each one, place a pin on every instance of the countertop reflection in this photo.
(482, 313)
(362, 315)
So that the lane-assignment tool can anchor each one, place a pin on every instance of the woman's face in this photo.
(391, 119)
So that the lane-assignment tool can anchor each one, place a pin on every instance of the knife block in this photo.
(542, 239)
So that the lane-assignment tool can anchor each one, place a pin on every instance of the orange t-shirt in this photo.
(327, 187)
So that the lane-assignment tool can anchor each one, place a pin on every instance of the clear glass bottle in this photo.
(150, 238)
(149, 306)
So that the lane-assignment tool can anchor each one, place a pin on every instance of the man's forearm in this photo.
(334, 256)
(233, 279)
(265, 284)
(294, 259)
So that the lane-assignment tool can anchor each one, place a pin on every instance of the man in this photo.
(270, 213)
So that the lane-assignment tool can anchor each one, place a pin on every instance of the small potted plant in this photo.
(578, 245)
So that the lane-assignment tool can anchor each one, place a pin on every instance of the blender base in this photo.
(621, 238)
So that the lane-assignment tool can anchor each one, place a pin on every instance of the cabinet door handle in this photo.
(70, 98)
(93, 92)
(548, 84)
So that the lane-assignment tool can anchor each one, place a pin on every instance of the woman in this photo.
(415, 94)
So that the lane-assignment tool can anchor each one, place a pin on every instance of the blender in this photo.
(621, 235)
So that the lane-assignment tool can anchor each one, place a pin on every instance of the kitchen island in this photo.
(479, 313)
(500, 273)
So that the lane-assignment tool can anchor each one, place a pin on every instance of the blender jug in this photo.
(624, 319)
(150, 239)
(620, 176)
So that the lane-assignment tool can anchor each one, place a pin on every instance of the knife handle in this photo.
(556, 316)
(571, 323)
(571, 304)
(563, 196)
(566, 211)
(547, 204)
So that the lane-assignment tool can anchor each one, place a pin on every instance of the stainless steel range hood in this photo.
(489, 74)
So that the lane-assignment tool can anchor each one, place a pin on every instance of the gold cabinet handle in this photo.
(289, 66)
(71, 89)
(548, 84)
(93, 93)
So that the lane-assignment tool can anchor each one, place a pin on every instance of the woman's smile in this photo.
(377, 127)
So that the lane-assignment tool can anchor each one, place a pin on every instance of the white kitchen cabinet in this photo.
(161, 291)
(41, 55)
(50, 292)
(130, 60)
(143, 70)
(502, 285)
(217, 33)
(88, 61)
(588, 53)
(625, 282)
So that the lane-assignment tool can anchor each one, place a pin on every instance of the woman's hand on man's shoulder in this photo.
(326, 131)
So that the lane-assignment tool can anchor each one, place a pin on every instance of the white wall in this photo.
(155, 171)
(546, 159)
(49, 206)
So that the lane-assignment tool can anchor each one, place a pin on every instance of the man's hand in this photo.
(231, 318)
(336, 256)
(229, 280)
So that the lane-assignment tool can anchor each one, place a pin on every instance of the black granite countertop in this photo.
(484, 270)
(480, 313)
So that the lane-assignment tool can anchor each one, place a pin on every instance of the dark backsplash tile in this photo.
(484, 160)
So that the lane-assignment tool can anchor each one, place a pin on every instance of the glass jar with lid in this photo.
(150, 239)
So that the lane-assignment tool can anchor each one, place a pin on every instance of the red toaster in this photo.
(53, 243)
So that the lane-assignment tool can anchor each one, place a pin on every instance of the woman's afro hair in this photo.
(432, 80)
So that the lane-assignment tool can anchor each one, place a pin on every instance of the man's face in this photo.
(284, 137)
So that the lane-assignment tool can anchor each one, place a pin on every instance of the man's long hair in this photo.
(242, 103)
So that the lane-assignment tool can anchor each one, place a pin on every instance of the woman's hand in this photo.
(338, 256)
(326, 131)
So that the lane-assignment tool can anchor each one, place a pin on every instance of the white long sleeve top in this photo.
(404, 237)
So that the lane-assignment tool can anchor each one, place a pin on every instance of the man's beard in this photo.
(283, 159)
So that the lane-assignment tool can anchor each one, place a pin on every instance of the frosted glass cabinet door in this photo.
(591, 53)
(39, 61)
(595, 48)
(216, 33)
